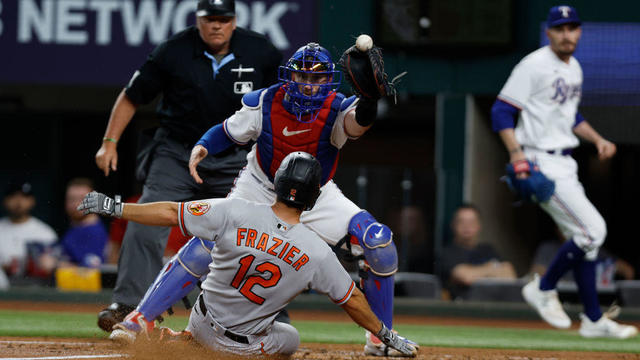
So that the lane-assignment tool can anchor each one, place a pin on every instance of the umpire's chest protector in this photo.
(282, 133)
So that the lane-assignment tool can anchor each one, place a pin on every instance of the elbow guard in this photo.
(366, 111)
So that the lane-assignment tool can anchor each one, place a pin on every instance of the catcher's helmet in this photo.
(297, 180)
(216, 8)
(311, 59)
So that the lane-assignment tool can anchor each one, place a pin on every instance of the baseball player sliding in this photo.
(263, 257)
(543, 93)
(302, 113)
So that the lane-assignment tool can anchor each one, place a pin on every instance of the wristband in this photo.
(119, 206)
(366, 111)
(110, 139)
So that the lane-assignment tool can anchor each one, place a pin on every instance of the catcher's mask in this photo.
(309, 63)
(297, 180)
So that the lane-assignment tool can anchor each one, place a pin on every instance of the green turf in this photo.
(25, 323)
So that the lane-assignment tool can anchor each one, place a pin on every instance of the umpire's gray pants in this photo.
(168, 179)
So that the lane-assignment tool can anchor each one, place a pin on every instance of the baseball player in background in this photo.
(543, 93)
(263, 256)
(302, 113)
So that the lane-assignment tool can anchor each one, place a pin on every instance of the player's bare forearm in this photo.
(163, 213)
(512, 145)
(351, 126)
(360, 312)
(606, 148)
(586, 132)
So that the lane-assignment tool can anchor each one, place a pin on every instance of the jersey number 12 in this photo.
(253, 280)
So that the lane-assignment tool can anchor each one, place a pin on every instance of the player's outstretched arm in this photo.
(198, 153)
(121, 114)
(606, 149)
(358, 309)
(164, 213)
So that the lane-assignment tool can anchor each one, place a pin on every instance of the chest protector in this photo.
(283, 134)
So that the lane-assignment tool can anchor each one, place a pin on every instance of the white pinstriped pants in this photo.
(569, 206)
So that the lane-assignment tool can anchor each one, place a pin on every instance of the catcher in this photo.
(262, 258)
(301, 113)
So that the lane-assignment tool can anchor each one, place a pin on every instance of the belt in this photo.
(563, 152)
(235, 337)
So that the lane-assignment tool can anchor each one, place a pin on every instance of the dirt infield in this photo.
(73, 348)
(55, 348)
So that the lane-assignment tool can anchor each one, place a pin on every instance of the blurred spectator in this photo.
(410, 229)
(19, 230)
(83, 244)
(465, 261)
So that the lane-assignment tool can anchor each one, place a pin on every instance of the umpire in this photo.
(202, 73)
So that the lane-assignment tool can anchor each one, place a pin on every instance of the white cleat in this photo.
(546, 304)
(605, 328)
(375, 347)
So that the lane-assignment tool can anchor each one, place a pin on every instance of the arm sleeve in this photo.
(240, 128)
(332, 279)
(579, 119)
(503, 115)
(203, 218)
(149, 81)
(518, 87)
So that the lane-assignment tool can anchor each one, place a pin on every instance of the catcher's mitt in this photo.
(364, 70)
(536, 187)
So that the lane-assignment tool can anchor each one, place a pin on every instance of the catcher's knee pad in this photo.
(177, 278)
(376, 240)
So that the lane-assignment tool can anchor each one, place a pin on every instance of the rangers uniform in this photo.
(277, 133)
(543, 93)
(278, 261)
(547, 92)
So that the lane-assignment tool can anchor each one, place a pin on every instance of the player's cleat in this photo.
(112, 315)
(375, 347)
(546, 304)
(170, 335)
(127, 331)
(605, 328)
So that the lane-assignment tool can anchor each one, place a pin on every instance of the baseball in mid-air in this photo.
(364, 42)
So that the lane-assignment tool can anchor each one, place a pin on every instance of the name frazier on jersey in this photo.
(247, 237)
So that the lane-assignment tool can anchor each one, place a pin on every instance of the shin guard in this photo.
(177, 278)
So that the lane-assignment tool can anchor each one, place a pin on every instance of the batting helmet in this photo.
(216, 8)
(297, 180)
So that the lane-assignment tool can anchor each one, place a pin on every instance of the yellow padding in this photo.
(78, 279)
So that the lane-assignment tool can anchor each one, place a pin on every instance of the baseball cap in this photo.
(562, 14)
(216, 8)
(24, 188)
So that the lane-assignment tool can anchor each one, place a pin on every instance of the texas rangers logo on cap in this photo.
(562, 14)
(198, 208)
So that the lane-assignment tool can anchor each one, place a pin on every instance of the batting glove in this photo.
(99, 203)
(392, 339)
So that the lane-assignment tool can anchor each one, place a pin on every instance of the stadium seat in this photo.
(426, 286)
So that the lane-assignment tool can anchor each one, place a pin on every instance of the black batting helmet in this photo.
(216, 8)
(297, 181)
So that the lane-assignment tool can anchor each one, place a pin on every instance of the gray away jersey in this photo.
(260, 263)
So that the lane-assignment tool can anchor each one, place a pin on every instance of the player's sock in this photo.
(379, 293)
(585, 277)
(566, 258)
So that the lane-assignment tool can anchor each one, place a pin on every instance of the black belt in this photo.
(235, 337)
(563, 152)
